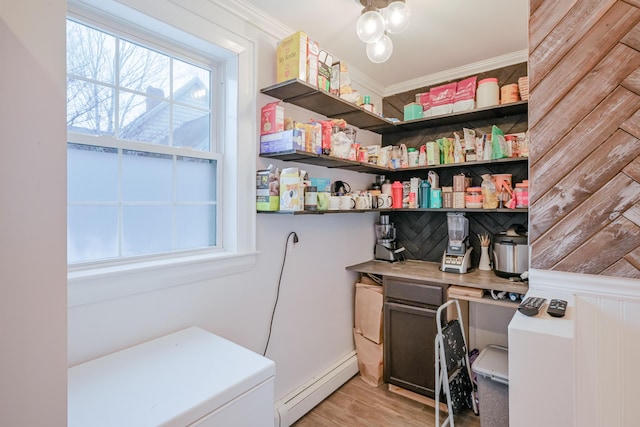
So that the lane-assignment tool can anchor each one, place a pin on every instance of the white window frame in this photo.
(94, 282)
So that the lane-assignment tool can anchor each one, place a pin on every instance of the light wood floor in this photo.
(358, 404)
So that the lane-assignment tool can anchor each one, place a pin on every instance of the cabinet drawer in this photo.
(420, 292)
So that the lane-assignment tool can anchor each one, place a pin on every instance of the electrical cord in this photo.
(275, 304)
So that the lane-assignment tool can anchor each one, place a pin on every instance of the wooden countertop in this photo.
(430, 271)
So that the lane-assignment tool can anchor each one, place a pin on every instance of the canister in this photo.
(311, 198)
(473, 198)
(488, 93)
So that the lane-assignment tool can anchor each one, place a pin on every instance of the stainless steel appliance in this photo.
(457, 256)
(386, 248)
(511, 251)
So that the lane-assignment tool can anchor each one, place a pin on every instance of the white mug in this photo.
(384, 201)
(363, 201)
(334, 203)
(347, 202)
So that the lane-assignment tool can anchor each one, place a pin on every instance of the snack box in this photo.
(291, 55)
(291, 190)
(272, 118)
(413, 111)
(287, 140)
(325, 61)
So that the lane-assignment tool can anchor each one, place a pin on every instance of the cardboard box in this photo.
(266, 200)
(271, 118)
(433, 153)
(291, 55)
(413, 111)
(447, 200)
(325, 61)
(368, 311)
(322, 184)
(313, 49)
(292, 139)
(460, 182)
(340, 79)
(312, 137)
(370, 359)
(458, 199)
(291, 190)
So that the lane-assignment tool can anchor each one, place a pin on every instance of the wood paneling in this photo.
(584, 120)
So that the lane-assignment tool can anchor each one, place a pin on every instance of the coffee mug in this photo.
(363, 201)
(334, 203)
(347, 202)
(384, 201)
(323, 201)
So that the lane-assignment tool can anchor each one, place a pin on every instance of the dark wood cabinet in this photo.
(409, 333)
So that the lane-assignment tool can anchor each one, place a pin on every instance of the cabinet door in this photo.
(409, 359)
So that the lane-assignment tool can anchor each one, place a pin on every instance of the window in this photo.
(166, 211)
(143, 173)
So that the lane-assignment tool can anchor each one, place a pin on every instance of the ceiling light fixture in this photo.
(378, 19)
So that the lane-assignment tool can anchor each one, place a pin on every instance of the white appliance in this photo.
(188, 378)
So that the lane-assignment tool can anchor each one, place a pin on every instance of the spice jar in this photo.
(473, 198)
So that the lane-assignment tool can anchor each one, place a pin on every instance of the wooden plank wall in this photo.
(584, 123)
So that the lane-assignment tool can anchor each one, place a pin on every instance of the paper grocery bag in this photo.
(370, 358)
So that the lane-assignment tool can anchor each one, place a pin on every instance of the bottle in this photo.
(367, 105)
(387, 188)
(396, 194)
(422, 156)
(423, 197)
(412, 155)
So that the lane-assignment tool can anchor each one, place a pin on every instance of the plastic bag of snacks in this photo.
(489, 192)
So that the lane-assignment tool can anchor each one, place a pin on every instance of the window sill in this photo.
(91, 285)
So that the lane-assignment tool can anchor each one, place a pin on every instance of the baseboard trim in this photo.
(293, 406)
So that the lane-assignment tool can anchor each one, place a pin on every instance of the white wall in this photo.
(313, 322)
(33, 359)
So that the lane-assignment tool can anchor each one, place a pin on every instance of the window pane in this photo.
(90, 108)
(92, 173)
(195, 226)
(85, 241)
(144, 119)
(146, 177)
(191, 128)
(144, 70)
(195, 180)
(191, 84)
(146, 230)
(90, 53)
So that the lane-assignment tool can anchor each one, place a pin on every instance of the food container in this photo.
(473, 198)
(488, 93)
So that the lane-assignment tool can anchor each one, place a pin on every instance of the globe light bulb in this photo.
(370, 25)
(396, 17)
(380, 50)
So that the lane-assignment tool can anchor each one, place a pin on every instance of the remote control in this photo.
(557, 307)
(531, 306)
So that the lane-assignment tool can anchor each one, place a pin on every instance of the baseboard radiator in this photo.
(293, 406)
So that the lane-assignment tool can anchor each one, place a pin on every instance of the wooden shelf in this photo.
(304, 95)
(335, 162)
(519, 210)
(486, 299)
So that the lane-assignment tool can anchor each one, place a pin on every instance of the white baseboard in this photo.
(293, 406)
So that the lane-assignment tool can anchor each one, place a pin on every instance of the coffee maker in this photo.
(457, 256)
(386, 248)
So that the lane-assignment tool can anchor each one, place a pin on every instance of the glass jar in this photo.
(473, 198)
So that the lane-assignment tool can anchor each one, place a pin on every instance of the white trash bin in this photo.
(492, 376)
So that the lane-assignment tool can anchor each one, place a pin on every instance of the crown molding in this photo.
(458, 72)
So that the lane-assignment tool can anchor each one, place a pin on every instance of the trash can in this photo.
(492, 376)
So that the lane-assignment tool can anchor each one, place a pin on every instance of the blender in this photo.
(386, 248)
(457, 256)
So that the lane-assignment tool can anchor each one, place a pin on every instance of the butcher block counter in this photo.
(430, 271)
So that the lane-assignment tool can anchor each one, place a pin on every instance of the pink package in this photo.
(465, 94)
(442, 98)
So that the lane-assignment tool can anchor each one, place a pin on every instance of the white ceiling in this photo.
(442, 34)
